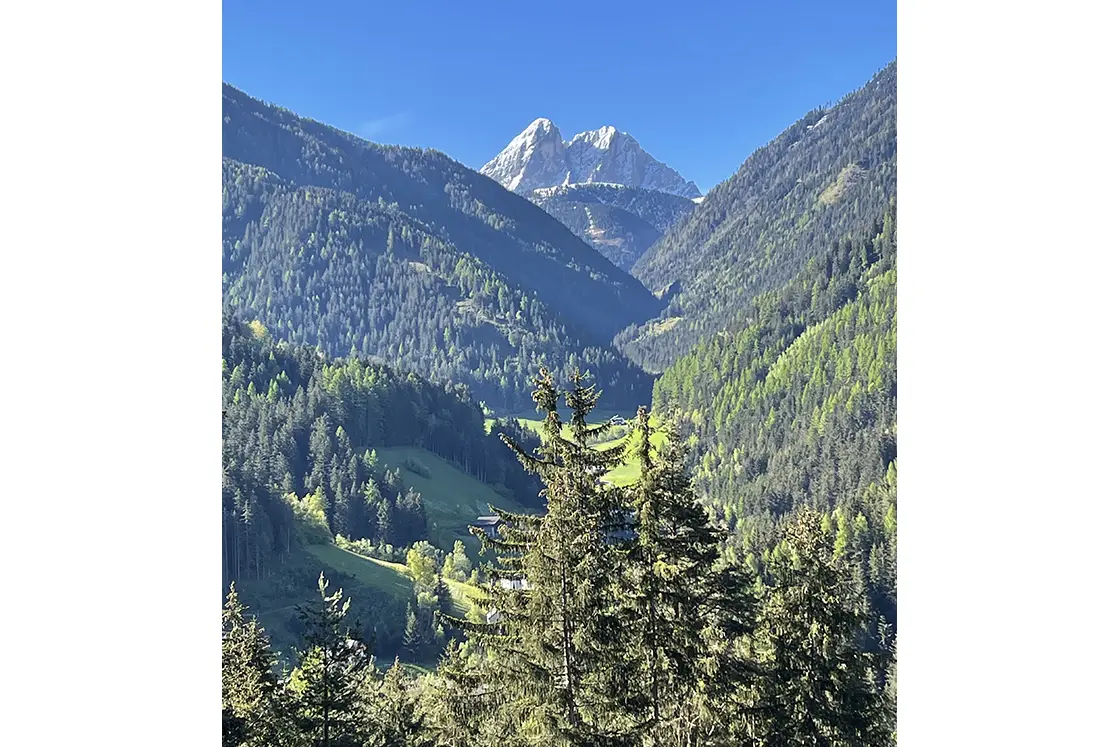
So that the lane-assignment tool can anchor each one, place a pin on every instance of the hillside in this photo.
(452, 498)
(826, 176)
(621, 222)
(411, 257)
(391, 578)
(380, 592)
(799, 408)
(345, 467)
(302, 443)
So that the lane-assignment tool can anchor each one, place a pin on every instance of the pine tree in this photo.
(252, 705)
(682, 609)
(819, 689)
(331, 669)
(412, 639)
(393, 712)
(550, 654)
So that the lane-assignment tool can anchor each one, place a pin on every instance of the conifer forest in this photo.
(591, 464)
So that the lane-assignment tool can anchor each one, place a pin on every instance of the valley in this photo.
(397, 327)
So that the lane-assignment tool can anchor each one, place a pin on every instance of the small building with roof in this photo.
(488, 524)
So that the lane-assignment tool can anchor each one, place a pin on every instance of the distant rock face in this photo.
(540, 157)
(535, 158)
(621, 222)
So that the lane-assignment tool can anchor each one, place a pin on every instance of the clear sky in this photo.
(700, 84)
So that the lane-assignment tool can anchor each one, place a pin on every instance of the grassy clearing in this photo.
(391, 578)
(663, 326)
(452, 498)
(628, 472)
(848, 176)
(534, 421)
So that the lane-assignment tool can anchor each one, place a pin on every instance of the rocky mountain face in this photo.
(621, 222)
(540, 157)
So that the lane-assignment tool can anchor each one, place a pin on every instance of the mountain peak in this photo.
(533, 159)
(539, 157)
(541, 124)
(601, 138)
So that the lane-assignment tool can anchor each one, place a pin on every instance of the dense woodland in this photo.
(299, 437)
(413, 258)
(825, 177)
(621, 222)
(799, 407)
(741, 591)
(628, 628)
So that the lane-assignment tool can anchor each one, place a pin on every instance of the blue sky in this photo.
(700, 84)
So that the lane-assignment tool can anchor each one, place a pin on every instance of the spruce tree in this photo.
(443, 594)
(327, 681)
(683, 610)
(552, 648)
(392, 710)
(412, 639)
(819, 689)
(252, 704)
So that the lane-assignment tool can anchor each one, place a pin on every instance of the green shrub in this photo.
(416, 466)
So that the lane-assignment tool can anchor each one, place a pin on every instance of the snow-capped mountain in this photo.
(535, 158)
(540, 157)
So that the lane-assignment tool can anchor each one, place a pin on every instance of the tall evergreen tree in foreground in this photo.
(820, 689)
(252, 707)
(683, 611)
(327, 683)
(551, 654)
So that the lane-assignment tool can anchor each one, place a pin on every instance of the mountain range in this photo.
(763, 313)
(414, 259)
(540, 157)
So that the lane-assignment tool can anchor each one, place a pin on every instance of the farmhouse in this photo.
(515, 584)
(488, 524)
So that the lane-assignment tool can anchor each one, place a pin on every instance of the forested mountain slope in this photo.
(798, 407)
(414, 258)
(621, 222)
(826, 176)
(300, 435)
